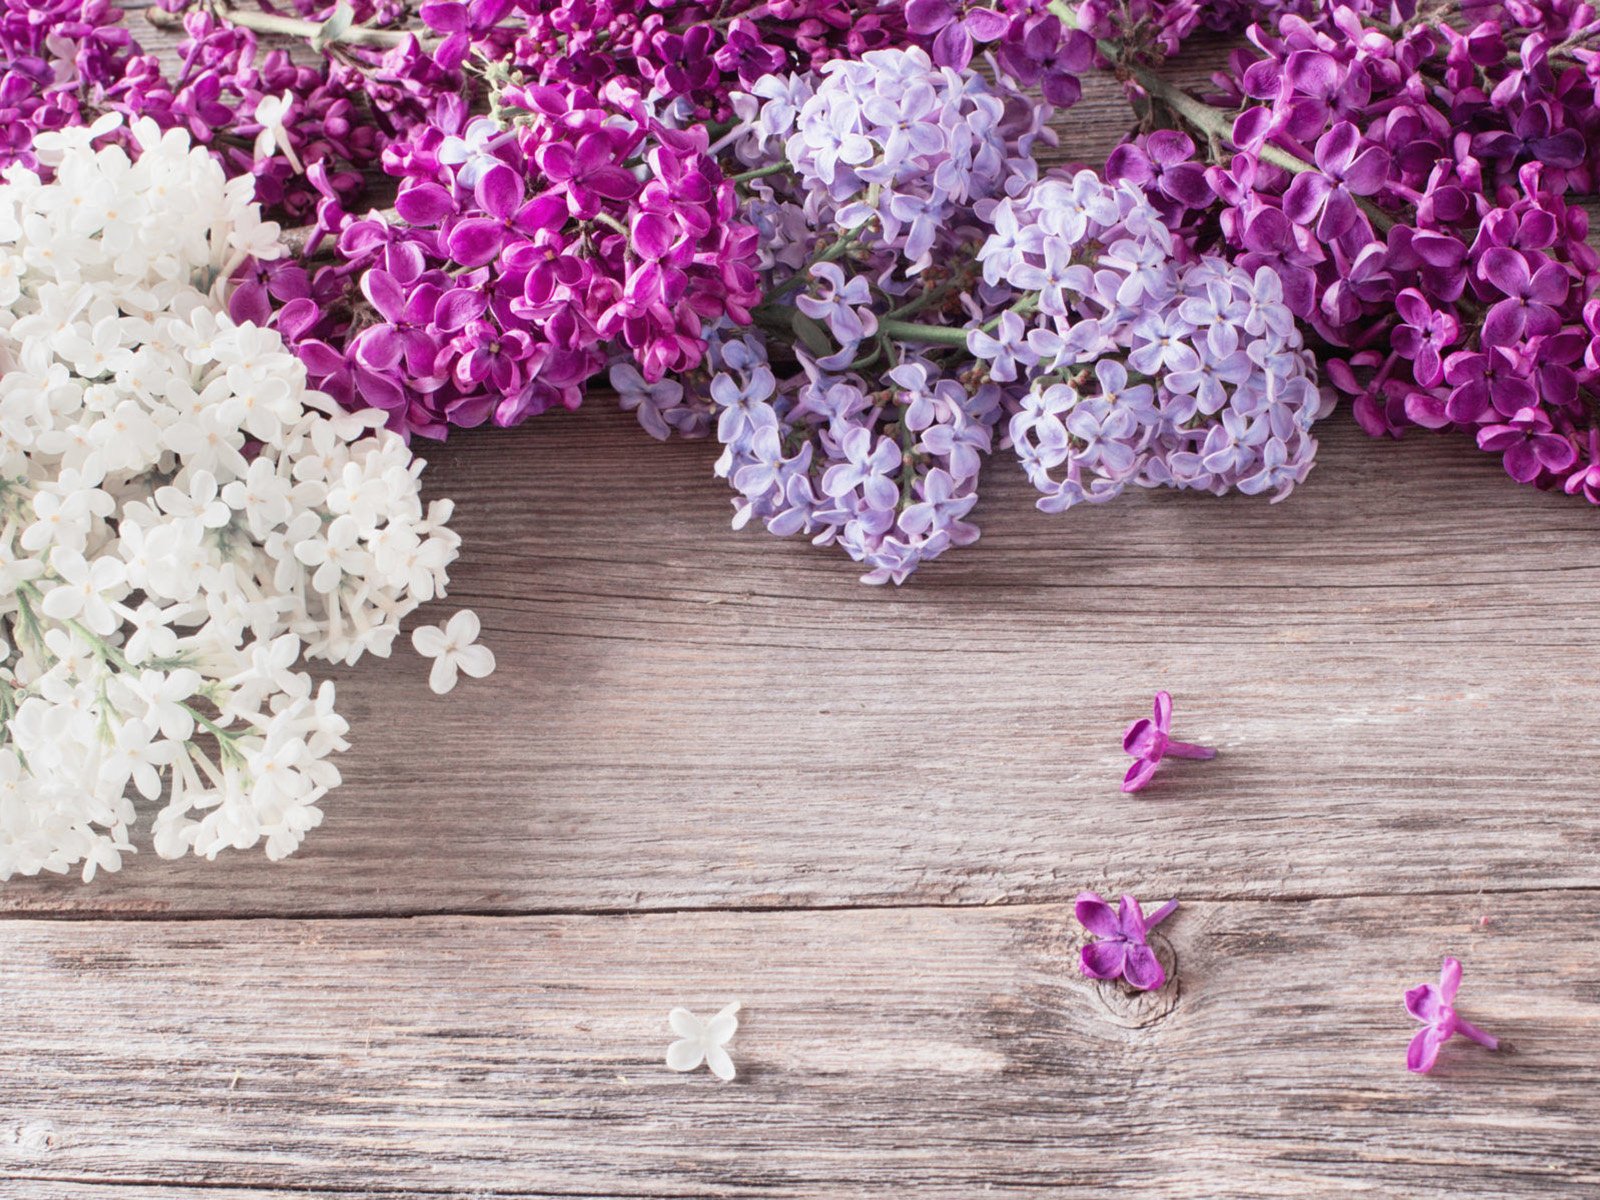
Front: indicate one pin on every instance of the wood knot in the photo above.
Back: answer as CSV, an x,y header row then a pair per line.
x,y
34,1137
1132,1009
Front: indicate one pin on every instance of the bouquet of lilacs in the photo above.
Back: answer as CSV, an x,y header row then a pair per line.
x,y
181,520
818,231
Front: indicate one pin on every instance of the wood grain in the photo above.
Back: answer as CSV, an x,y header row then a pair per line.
x,y
929,1051
712,765
1394,662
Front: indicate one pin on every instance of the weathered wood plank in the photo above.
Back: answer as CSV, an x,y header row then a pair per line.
x,y
1393,661
928,1051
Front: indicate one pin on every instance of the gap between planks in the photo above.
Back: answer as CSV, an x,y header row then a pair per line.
x,y
312,915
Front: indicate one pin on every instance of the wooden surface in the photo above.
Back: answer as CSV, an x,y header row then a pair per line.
x,y
712,766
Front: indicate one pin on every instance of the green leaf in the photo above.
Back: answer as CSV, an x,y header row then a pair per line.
x,y
813,336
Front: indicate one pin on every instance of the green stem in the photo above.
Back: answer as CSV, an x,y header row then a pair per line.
x,y
106,652
837,250
939,335
758,173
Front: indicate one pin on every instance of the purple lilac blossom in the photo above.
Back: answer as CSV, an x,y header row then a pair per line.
x,y
889,475
1434,1005
1149,740
521,264
1432,237
1119,946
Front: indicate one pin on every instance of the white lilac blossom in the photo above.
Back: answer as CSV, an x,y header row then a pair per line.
x,y
703,1041
181,521
1141,368
453,647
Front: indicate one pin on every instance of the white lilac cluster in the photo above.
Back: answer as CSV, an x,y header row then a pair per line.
x,y
181,521
1141,369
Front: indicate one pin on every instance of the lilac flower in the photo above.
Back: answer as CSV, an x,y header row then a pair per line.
x,y
1533,290
1434,1005
1120,947
1528,445
1163,162
1345,169
844,306
744,405
941,509
1148,741
1423,337
954,30
1005,349
962,442
1160,344
867,465
1108,438
650,401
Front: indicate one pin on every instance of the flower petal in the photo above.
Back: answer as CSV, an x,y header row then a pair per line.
x,y
719,1062
722,1026
1095,915
463,627
1130,917
1140,773
685,1055
477,661
1103,960
443,676
1422,1002
428,640
1163,711
1423,1051
1143,969
685,1024
1449,980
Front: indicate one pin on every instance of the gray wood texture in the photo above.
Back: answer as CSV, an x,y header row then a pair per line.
x,y
713,766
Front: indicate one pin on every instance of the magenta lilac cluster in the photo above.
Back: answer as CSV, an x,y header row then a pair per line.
x,y
1414,191
526,251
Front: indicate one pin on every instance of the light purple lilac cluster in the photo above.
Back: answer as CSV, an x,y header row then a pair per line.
x,y
888,471
898,148
1140,368
1428,232
841,418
